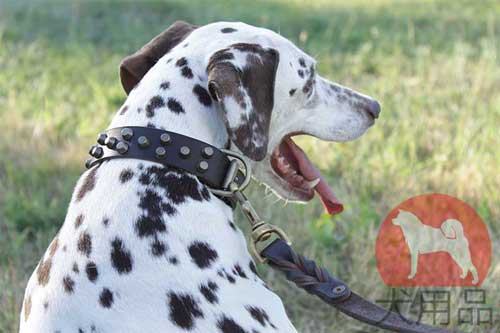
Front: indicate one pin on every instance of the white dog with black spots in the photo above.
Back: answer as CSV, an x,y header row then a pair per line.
x,y
145,248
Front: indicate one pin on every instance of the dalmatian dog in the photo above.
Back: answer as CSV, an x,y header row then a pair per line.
x,y
146,248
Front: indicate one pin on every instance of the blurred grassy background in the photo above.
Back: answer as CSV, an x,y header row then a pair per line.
x,y
434,65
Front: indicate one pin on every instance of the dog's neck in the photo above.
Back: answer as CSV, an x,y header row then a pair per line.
x,y
168,99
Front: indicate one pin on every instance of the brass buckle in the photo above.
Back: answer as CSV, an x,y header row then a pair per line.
x,y
230,187
261,230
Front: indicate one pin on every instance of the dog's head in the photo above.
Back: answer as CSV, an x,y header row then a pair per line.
x,y
404,218
268,90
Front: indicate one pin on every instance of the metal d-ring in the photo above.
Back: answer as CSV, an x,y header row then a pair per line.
x,y
232,187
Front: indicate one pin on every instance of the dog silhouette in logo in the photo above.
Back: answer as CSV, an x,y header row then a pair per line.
x,y
449,237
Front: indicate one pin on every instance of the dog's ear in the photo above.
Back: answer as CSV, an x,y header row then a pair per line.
x,y
135,66
241,78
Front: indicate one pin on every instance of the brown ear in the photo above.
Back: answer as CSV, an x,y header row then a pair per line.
x,y
246,93
135,66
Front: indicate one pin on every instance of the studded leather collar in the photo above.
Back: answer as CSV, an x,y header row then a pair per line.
x,y
211,165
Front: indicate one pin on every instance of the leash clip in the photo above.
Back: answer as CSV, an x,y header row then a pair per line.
x,y
229,186
261,230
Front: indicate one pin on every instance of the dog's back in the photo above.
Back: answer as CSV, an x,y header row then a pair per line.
x,y
145,249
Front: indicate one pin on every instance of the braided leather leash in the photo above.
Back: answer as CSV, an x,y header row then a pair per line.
x,y
308,275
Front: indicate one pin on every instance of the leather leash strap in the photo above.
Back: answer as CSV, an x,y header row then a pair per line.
x,y
306,274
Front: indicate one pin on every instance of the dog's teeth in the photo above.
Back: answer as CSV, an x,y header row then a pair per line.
x,y
313,183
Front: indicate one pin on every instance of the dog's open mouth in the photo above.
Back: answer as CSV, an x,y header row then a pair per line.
x,y
292,165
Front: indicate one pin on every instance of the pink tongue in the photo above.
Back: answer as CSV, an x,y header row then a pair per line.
x,y
309,172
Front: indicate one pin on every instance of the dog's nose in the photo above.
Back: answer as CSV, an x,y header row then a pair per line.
x,y
373,108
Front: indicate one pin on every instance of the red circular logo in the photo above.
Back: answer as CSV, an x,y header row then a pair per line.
x,y
433,240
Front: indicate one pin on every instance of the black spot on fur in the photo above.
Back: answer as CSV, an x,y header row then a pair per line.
x,y
292,91
187,72
209,292
158,248
68,284
230,278
78,221
202,94
178,187
165,85
183,310
151,222
88,184
231,224
84,244
227,325
228,30
252,267
91,270
161,184
173,260
202,254
302,62
126,175
181,62
223,274
259,315
154,103
123,110
334,88
75,268
175,106
237,270
106,298
301,73
120,257
105,221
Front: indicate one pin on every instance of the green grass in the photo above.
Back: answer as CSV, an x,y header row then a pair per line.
x,y
434,65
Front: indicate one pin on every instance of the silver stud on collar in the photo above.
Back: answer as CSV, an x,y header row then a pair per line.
x,y
184,152
96,151
143,142
88,162
101,138
202,166
165,139
207,152
127,133
111,142
160,152
121,147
